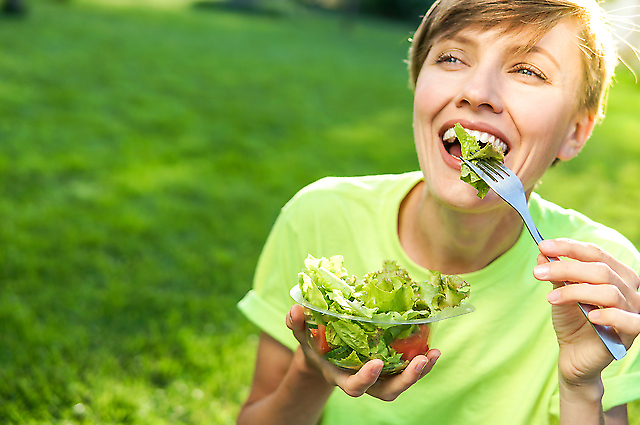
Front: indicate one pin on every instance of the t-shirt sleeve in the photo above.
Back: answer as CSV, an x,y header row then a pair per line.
x,y
282,257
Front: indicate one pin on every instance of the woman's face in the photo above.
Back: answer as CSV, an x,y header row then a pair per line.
x,y
486,81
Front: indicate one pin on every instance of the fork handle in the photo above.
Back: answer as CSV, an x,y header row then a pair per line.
x,y
607,334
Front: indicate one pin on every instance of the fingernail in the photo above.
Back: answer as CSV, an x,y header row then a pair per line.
x,y
547,244
593,315
420,367
375,370
541,271
553,296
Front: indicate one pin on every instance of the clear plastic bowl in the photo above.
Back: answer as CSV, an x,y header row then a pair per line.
x,y
396,342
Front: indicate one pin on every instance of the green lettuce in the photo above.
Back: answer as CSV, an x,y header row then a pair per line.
x,y
387,290
473,151
352,335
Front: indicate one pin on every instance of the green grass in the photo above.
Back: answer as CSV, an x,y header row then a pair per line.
x,y
144,155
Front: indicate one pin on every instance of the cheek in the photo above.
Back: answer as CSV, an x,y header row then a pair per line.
x,y
545,130
543,122
427,104
431,95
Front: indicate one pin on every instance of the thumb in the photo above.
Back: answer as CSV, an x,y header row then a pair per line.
x,y
295,322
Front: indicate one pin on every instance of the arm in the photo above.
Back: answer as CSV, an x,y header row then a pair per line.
x,y
604,282
285,390
581,404
586,407
292,388
616,415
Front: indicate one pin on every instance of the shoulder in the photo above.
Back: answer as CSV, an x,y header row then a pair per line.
x,y
346,192
555,222
360,184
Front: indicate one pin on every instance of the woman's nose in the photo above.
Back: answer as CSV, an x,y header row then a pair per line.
x,y
481,91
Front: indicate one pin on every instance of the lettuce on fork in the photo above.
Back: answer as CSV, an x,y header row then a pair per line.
x,y
472,150
384,297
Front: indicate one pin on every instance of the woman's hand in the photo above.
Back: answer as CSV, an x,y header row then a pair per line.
x,y
367,379
601,281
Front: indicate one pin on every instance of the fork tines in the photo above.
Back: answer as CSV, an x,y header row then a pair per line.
x,y
492,168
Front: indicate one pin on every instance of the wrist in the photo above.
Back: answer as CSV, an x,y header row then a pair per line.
x,y
582,392
305,377
305,368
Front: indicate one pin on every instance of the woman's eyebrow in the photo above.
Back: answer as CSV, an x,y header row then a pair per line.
x,y
463,39
536,49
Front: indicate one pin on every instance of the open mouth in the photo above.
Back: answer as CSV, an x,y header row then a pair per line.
x,y
452,145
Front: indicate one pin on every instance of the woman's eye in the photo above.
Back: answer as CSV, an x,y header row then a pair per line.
x,y
530,71
447,58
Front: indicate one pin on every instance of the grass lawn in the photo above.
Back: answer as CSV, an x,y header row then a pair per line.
x,y
144,155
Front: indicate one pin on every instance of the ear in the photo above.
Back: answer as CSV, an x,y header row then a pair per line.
x,y
577,137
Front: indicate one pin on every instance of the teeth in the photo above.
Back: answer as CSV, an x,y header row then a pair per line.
x,y
500,145
482,137
449,134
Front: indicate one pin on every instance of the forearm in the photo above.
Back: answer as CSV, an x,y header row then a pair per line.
x,y
298,400
581,404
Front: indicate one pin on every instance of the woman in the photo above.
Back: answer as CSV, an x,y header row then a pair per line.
x,y
531,74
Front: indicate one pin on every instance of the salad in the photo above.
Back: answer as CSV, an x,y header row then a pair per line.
x,y
384,315
472,150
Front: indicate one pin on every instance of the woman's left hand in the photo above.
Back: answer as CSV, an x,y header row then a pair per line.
x,y
601,280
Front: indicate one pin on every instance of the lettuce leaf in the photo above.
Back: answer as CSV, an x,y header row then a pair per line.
x,y
352,335
310,291
348,361
388,289
472,151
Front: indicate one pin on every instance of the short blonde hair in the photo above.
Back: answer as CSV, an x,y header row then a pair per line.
x,y
447,17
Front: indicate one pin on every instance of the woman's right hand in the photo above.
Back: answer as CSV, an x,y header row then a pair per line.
x,y
367,379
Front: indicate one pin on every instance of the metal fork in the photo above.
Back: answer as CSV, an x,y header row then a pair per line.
x,y
508,186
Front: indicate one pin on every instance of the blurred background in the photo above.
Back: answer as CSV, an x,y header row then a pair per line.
x,y
146,148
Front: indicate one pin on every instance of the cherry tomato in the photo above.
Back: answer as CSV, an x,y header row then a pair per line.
x,y
418,343
319,338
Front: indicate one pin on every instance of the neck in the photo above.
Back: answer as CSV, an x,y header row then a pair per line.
x,y
453,242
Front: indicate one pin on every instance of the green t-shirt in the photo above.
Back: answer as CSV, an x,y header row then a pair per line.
x,y
498,364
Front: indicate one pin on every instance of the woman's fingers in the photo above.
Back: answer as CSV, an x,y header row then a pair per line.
x,y
368,380
602,295
578,271
612,284
432,356
605,287
295,322
627,324
389,388
357,384
589,253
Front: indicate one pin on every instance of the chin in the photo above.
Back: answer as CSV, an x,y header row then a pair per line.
x,y
460,196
